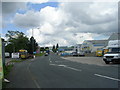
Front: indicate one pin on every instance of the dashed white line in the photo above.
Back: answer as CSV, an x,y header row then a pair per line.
x,y
66,67
107,77
73,68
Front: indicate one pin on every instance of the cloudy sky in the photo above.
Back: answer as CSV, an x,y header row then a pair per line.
x,y
65,23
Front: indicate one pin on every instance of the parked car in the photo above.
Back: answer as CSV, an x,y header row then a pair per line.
x,y
81,53
65,54
74,54
78,53
46,54
7,54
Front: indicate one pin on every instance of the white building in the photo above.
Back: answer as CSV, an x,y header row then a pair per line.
x,y
89,46
77,48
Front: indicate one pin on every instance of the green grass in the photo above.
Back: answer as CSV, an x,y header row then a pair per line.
x,y
39,54
6,71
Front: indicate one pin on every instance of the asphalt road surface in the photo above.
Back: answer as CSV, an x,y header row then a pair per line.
x,y
55,72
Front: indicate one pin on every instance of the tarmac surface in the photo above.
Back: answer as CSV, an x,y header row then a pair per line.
x,y
52,71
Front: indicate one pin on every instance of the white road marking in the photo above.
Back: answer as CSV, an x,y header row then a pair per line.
x,y
61,61
107,77
53,64
73,68
66,67
50,60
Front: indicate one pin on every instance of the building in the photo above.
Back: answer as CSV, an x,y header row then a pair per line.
x,y
65,49
77,48
114,36
89,46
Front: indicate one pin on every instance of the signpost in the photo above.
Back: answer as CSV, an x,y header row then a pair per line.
x,y
1,64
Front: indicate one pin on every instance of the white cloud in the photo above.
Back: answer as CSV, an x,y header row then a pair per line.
x,y
69,23
29,20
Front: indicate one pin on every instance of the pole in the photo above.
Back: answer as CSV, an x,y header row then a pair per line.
x,y
33,41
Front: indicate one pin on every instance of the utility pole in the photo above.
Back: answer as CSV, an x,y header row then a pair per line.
x,y
33,41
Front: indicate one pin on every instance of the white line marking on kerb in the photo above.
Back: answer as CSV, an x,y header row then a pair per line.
x,y
107,77
66,67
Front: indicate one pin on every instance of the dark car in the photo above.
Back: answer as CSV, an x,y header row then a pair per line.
x,y
74,54
46,54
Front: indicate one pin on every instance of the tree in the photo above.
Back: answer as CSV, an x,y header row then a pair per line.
x,y
53,49
57,46
17,40
42,49
46,48
32,45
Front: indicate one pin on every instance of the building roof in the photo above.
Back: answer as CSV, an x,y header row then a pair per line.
x,y
96,42
114,36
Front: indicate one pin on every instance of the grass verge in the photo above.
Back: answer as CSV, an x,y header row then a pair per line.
x,y
6,71
17,60
39,54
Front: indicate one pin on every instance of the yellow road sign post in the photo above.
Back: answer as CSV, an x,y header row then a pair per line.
x,y
1,64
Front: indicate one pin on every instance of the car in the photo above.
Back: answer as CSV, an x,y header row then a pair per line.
x,y
78,54
46,54
74,54
81,53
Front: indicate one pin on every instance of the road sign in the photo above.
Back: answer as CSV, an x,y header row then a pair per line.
x,y
1,64
34,52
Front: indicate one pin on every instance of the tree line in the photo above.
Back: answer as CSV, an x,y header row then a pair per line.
x,y
54,48
18,40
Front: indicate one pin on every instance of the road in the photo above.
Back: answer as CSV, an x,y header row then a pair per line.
x,y
55,72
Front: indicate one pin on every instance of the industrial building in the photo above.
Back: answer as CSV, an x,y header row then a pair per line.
x,y
89,46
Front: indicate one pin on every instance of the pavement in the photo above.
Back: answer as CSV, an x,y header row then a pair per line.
x,y
90,60
55,72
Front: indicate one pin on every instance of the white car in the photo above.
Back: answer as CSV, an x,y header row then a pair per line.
x,y
111,57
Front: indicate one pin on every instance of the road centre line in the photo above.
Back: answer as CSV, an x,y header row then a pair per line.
x,y
107,77
66,67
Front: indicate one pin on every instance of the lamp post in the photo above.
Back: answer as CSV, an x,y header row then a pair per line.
x,y
32,41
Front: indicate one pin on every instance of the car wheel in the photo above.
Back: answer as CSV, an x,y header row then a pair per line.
x,y
107,62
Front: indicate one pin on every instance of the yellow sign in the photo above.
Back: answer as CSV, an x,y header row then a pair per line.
x,y
1,64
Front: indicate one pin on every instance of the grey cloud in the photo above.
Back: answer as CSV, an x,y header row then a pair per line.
x,y
84,20
78,19
28,20
11,7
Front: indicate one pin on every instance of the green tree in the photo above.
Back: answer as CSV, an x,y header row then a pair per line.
x,y
42,49
32,45
53,49
16,41
57,46
46,48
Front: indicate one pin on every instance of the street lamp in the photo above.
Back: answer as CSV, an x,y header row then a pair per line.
x,y
32,41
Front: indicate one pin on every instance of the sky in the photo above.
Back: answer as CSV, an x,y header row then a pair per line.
x,y
65,23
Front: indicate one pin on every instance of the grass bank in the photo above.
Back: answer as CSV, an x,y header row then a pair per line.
x,y
39,54
6,71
